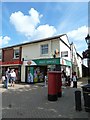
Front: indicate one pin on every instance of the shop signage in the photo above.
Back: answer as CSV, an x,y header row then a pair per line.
x,y
65,62
51,61
31,62
68,63
12,62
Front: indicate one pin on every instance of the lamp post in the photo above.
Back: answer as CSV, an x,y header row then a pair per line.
x,y
88,59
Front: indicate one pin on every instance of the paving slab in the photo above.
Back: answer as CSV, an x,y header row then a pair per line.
x,y
31,101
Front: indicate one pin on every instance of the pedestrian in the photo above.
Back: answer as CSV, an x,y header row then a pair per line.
x,y
7,77
12,77
74,78
64,76
45,80
69,81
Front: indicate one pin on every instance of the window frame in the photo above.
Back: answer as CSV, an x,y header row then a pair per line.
x,y
44,49
18,51
63,54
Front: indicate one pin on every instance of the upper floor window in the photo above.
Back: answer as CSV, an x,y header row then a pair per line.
x,y
16,53
44,49
64,54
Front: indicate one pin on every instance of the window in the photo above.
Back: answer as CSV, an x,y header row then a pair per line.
x,y
44,49
16,53
64,54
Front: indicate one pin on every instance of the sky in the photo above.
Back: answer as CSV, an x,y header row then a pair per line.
x,y
28,21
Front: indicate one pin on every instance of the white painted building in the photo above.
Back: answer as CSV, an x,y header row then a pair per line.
x,y
38,57
76,61
65,53
79,64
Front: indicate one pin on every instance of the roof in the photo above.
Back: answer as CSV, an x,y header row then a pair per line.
x,y
36,41
79,55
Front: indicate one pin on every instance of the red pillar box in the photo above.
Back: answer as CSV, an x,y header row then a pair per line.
x,y
52,86
59,83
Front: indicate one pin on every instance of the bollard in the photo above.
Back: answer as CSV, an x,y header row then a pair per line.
x,y
78,100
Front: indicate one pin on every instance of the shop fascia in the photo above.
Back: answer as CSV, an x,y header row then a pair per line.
x,y
49,61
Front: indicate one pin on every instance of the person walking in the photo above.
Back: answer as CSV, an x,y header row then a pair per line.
x,y
64,76
7,76
13,77
74,78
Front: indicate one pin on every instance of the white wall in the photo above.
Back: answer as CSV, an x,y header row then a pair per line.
x,y
65,39
32,51
55,45
79,62
23,73
76,59
63,47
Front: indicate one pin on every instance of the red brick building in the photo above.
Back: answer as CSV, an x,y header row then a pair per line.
x,y
11,58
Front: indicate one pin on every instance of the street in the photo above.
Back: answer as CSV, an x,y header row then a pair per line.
x,y
31,101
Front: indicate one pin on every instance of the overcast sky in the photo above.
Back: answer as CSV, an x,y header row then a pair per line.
x,y
28,21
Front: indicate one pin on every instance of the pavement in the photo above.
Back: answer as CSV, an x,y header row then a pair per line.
x,y
31,101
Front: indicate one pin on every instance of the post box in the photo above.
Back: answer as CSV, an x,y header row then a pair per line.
x,y
59,83
54,85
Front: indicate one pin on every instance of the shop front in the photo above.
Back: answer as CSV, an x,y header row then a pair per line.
x,y
12,65
36,70
35,74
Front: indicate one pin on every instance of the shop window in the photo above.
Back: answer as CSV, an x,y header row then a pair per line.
x,y
44,49
16,53
64,54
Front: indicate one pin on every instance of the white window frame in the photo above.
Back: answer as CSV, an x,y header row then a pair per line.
x,y
64,54
44,49
16,56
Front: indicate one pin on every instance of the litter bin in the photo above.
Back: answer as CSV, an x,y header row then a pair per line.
x,y
52,86
86,95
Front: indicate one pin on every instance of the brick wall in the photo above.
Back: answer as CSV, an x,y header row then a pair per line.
x,y
8,55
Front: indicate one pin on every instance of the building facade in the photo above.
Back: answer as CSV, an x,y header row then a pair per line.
x,y
79,65
76,61
39,57
33,60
